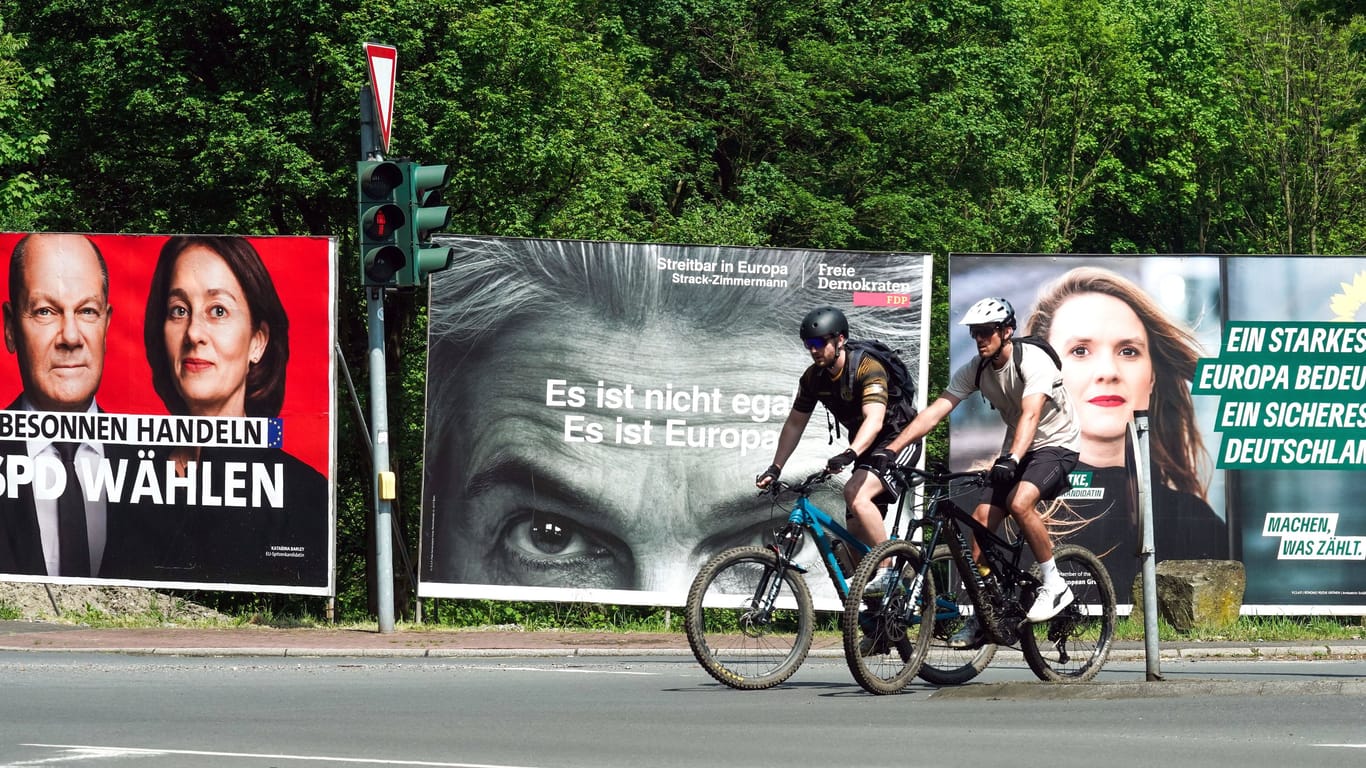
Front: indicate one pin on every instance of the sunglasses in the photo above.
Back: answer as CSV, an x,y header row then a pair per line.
x,y
818,342
981,331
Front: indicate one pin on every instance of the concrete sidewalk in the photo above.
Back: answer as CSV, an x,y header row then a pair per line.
x,y
267,641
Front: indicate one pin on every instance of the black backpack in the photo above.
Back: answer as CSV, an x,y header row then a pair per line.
x,y
1035,341
900,385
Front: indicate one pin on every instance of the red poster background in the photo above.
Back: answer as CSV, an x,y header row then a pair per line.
x,y
300,268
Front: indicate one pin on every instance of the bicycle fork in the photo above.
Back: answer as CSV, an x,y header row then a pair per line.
x,y
766,595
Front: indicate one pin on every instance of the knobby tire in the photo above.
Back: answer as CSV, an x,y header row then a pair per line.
x,y
884,644
1085,629
944,665
739,644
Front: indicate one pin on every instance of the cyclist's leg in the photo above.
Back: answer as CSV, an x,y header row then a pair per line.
x,y
869,488
1024,503
1044,474
990,515
863,514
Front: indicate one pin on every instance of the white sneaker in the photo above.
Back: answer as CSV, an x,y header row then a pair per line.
x,y
881,584
1051,599
968,636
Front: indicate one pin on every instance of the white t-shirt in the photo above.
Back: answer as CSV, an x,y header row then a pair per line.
x,y
1028,371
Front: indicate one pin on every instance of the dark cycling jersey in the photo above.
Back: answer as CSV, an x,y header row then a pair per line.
x,y
870,386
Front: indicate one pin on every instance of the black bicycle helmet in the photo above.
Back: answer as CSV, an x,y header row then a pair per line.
x,y
824,321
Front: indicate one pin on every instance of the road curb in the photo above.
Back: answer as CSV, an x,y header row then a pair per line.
x,y
1187,653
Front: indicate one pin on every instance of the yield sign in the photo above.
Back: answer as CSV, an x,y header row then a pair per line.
x,y
383,63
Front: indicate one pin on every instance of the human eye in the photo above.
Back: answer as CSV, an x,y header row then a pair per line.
x,y
218,312
1078,350
1129,350
177,311
757,533
540,548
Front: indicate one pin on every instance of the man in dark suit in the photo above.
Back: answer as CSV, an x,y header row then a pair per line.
x,y
56,320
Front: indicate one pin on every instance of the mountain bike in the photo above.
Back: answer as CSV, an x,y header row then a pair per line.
x,y
1070,647
749,617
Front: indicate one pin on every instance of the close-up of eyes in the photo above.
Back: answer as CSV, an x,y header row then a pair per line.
x,y
536,547
1084,350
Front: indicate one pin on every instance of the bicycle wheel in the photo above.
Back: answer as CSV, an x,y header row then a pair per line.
x,y
944,665
884,638
749,622
1073,646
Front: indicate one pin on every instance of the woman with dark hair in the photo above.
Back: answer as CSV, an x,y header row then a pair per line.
x,y
1121,353
217,342
236,291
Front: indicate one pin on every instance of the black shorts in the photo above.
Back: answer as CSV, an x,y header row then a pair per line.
x,y
1047,468
891,487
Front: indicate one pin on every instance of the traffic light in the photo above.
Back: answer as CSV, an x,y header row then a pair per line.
x,y
380,192
425,215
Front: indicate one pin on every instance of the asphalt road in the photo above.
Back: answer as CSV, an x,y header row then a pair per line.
x,y
93,709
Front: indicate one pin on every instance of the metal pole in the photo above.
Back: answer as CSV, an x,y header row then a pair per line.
x,y
379,407
379,422
1138,432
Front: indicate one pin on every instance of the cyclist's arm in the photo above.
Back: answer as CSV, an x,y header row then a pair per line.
x,y
1031,408
924,421
873,414
790,435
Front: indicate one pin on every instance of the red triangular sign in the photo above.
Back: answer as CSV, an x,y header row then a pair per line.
x,y
383,64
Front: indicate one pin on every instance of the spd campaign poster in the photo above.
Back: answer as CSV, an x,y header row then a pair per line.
x,y
1255,401
167,411
597,412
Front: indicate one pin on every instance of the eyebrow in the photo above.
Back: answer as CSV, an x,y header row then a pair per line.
x,y
510,468
543,481
42,297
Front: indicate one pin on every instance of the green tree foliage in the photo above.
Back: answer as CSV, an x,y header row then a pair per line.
x,y
1300,166
1102,126
24,193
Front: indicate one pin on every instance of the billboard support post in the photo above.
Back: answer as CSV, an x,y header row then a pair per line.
x,y
1138,434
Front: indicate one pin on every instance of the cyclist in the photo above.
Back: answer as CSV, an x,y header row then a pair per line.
x,y
862,413
1040,448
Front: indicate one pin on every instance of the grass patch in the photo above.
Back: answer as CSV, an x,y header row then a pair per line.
x,y
1264,629
448,614
9,612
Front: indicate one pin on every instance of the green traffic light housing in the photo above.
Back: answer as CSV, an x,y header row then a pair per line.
x,y
426,215
381,192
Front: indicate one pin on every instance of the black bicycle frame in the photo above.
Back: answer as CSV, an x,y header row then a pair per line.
x,y
1001,555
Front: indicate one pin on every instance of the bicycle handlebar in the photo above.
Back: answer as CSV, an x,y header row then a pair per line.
x,y
781,486
909,476
941,476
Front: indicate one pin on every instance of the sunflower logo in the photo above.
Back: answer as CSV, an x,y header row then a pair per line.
x,y
1347,304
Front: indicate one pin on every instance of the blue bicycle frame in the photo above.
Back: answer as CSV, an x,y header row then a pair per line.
x,y
814,519
806,516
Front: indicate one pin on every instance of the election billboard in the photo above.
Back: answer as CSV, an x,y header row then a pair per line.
x,y
167,414
597,413
1250,370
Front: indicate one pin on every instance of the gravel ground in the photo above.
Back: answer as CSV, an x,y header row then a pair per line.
x,y
34,602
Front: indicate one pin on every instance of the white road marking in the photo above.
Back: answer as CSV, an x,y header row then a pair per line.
x,y
1346,746
576,671
87,752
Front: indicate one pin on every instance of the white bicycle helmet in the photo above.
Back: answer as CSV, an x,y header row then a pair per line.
x,y
994,310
